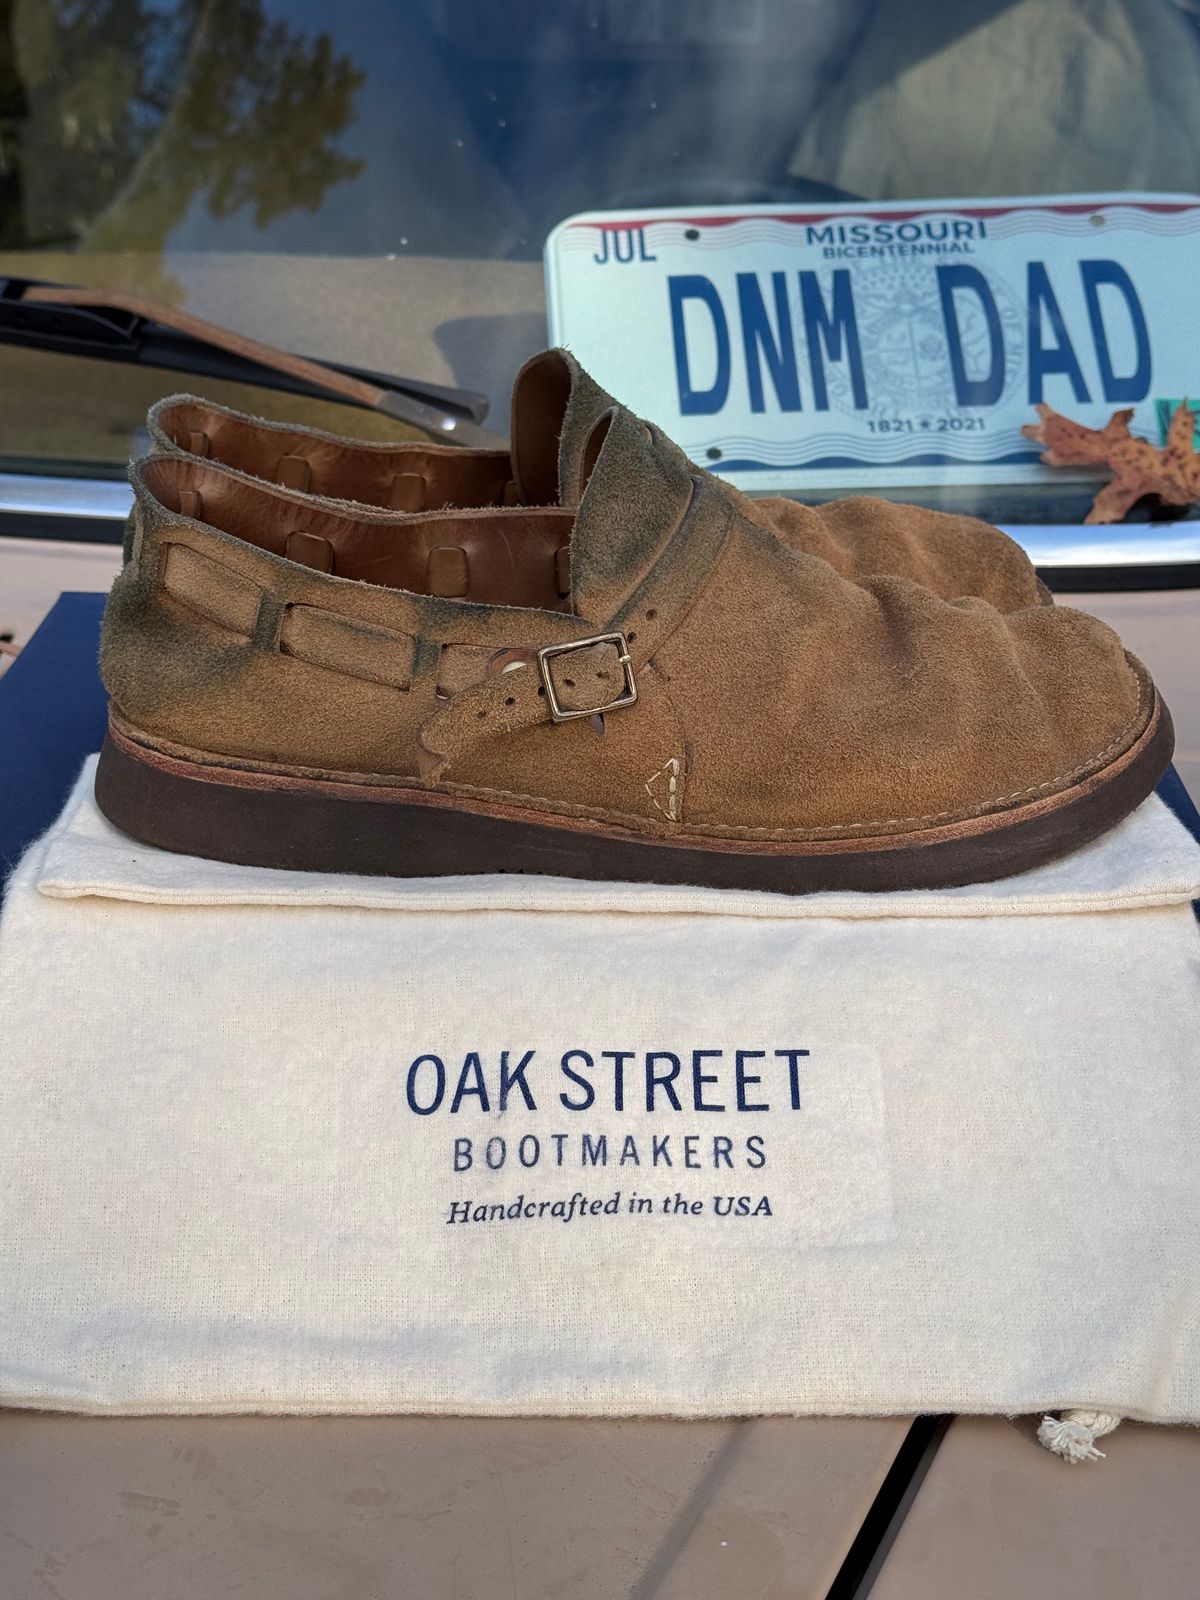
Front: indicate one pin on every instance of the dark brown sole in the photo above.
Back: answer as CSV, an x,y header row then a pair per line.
x,y
268,820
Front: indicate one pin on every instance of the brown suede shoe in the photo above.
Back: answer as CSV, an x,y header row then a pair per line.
x,y
703,707
555,408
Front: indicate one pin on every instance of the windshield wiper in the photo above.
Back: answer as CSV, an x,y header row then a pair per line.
x,y
113,325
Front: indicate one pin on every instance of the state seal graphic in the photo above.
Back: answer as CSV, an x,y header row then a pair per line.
x,y
901,320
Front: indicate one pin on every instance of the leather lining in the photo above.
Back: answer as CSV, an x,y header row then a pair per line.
x,y
493,556
562,571
554,405
402,477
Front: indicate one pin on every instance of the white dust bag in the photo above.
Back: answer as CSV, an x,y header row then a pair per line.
x,y
287,1143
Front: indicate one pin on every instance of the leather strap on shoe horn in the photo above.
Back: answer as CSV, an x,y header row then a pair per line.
x,y
595,673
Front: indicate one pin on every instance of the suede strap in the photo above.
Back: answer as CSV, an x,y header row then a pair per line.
x,y
513,696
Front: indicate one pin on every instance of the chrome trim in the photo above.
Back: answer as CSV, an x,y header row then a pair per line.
x,y
103,499
1128,544
1131,544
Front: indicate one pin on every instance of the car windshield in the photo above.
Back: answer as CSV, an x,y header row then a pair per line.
x,y
375,184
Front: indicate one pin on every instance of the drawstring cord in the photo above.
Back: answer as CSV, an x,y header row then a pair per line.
x,y
1073,1435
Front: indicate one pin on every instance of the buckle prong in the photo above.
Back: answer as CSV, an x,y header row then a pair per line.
x,y
627,696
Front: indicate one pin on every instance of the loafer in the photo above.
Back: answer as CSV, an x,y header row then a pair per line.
x,y
703,706
555,408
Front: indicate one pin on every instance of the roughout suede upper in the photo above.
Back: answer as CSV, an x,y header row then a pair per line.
x,y
556,406
776,698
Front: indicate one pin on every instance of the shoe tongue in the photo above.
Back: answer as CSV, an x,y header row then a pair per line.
x,y
635,488
555,409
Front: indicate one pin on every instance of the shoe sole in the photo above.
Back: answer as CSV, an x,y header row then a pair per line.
x,y
265,819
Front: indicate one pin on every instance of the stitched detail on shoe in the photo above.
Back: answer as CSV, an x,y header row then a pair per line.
x,y
663,788
835,830
1020,794
667,787
627,820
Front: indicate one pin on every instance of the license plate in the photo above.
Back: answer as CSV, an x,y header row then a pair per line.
x,y
888,343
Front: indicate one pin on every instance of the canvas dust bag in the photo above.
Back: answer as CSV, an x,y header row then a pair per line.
x,y
290,1143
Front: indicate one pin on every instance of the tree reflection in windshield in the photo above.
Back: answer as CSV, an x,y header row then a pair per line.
x,y
468,128
117,116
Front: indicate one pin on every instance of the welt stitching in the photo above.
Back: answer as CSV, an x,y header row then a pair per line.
x,y
633,822
1021,794
714,830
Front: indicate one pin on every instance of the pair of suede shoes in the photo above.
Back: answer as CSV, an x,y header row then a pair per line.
x,y
585,657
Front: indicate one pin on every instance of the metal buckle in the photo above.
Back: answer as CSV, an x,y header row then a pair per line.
x,y
627,696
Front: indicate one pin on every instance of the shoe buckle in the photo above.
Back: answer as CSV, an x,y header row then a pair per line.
x,y
627,695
